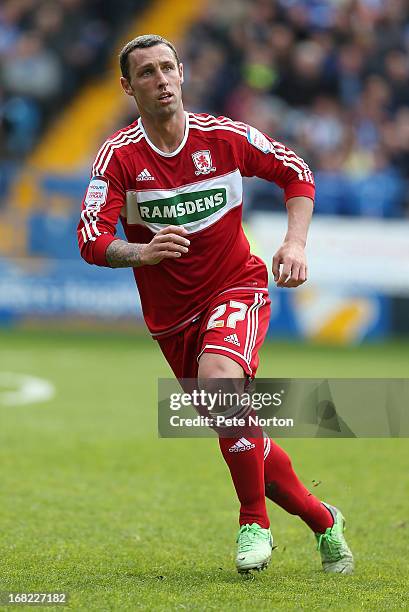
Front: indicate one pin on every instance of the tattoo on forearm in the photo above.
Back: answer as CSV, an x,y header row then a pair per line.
x,y
121,254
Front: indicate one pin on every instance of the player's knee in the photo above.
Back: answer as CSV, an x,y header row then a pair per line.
x,y
212,371
213,366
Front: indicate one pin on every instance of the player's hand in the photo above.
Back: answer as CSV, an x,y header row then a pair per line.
x,y
168,243
290,265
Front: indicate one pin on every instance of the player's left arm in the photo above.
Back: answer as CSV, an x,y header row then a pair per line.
x,y
259,155
290,257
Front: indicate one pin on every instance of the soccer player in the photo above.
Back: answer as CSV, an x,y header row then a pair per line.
x,y
174,179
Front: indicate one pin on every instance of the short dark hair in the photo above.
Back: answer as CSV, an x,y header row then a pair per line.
x,y
142,42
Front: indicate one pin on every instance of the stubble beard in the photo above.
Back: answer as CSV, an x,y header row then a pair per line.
x,y
168,111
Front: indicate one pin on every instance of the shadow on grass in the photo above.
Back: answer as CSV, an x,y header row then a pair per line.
x,y
181,576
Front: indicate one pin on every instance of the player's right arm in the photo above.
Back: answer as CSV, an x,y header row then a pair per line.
x,y
102,204
168,243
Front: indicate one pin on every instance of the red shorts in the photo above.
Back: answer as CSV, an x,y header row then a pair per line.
x,y
235,324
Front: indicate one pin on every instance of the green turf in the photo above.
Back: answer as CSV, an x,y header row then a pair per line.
x,y
93,503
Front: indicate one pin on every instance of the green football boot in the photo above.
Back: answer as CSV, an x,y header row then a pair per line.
x,y
336,556
254,548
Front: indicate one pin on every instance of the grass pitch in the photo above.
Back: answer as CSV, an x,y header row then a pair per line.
x,y
93,503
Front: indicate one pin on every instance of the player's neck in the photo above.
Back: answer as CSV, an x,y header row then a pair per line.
x,y
166,134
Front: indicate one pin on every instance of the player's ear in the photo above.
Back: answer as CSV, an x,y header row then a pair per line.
x,y
181,73
126,86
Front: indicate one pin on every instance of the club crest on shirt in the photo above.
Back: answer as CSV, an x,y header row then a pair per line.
x,y
203,162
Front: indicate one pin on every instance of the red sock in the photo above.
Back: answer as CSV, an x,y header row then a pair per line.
x,y
244,456
285,489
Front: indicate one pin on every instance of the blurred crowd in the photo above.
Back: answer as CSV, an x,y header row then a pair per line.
x,y
48,49
330,78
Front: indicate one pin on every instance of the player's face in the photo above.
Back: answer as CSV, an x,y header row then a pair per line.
x,y
155,80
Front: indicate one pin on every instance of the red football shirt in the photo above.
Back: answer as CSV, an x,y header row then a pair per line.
x,y
198,186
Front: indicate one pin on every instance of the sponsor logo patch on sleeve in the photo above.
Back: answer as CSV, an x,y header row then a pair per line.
x,y
96,193
258,140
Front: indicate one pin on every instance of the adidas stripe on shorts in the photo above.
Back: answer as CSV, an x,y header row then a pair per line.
x,y
234,325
